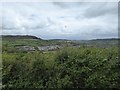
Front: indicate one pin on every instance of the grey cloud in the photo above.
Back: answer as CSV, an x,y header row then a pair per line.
x,y
100,9
69,4
49,20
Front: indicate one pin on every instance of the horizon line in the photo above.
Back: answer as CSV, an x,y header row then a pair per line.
x,y
64,38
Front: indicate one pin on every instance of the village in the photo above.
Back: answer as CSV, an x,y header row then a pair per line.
x,y
40,48
43,48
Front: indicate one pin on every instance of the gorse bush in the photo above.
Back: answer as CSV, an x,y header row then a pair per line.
x,y
82,67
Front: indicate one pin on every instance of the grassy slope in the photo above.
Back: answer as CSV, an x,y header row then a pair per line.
x,y
29,41
34,41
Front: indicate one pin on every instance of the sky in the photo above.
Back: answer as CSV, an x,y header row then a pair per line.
x,y
60,20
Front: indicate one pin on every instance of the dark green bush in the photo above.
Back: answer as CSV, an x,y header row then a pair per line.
x,y
85,67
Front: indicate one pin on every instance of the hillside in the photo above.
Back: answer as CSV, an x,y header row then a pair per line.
x,y
19,37
32,43
99,42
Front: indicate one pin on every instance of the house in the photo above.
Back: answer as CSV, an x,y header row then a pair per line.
x,y
26,48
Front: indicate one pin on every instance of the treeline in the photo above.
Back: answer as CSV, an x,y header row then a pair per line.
x,y
67,68
19,37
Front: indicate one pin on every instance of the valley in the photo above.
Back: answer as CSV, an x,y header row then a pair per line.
x,y
31,62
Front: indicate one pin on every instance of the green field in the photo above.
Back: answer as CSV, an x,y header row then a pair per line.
x,y
95,64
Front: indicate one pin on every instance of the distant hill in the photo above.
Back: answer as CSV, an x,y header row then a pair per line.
x,y
106,39
34,37
19,37
100,42
28,40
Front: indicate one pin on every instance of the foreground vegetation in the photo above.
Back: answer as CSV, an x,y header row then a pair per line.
x,y
68,67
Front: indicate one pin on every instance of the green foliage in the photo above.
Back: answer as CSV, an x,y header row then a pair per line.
x,y
84,67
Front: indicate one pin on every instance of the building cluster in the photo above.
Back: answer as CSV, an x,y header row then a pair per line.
x,y
40,48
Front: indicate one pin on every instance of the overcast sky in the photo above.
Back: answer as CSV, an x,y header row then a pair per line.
x,y
61,20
